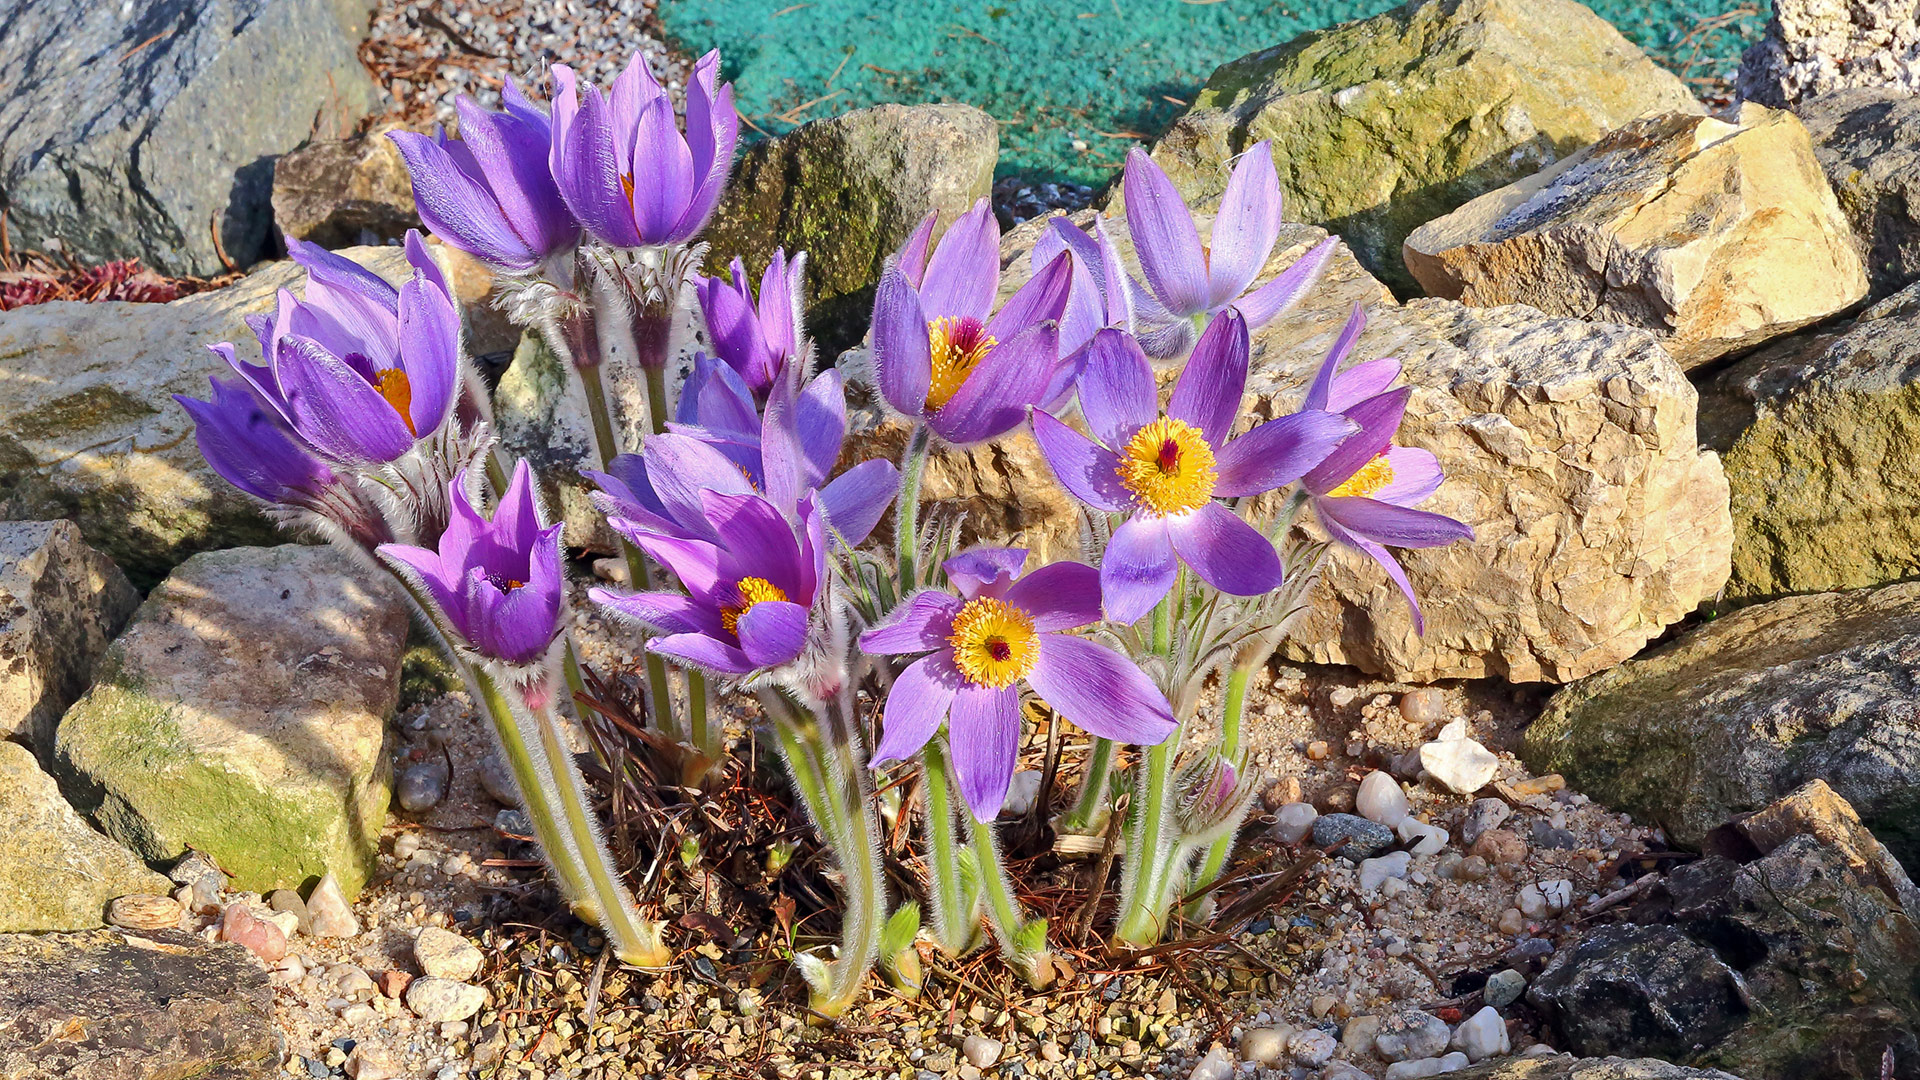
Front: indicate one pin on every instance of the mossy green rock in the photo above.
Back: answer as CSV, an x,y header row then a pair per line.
x,y
63,872
243,713
1382,125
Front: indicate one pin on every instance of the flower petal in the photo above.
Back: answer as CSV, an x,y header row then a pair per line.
x,y
915,706
1138,568
984,571
1378,418
758,541
713,129
1396,526
1278,452
1366,379
662,191
1059,596
1041,299
1226,552
334,408
1117,392
429,353
983,736
1208,392
1164,238
702,652
1100,691
587,165
511,149
856,500
964,272
913,254
773,632
1090,472
1269,301
923,621
665,612
457,208
1387,562
1246,227
820,414
1319,392
1416,475
901,350
681,470
994,398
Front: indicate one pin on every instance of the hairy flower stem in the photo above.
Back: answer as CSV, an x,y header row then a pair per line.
x,y
1010,927
954,918
1090,806
707,738
1231,714
906,522
1153,864
531,770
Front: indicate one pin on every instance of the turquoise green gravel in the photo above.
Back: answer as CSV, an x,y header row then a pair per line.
x,y
1073,82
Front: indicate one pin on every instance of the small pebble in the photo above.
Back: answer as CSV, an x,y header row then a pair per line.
x,y
1216,1065
198,872
440,1000
1293,822
1540,785
1280,793
1375,872
1021,793
328,912
1410,1036
1503,988
1545,899
421,786
1317,750
289,901
1420,837
405,845
1499,846
1482,1035
1457,762
1340,1070
1427,705
393,982
1484,815
1264,1046
980,1051
1433,1066
262,939
497,780
1381,799
1312,1047
1363,838
1512,922
144,912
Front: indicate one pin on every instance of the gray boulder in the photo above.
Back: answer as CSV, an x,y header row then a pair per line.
x,y
1868,143
61,602
150,129
1568,1067
1814,47
339,192
1639,990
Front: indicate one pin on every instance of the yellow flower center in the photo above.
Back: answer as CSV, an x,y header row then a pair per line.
x,y
1370,478
748,592
1168,467
994,643
958,345
393,386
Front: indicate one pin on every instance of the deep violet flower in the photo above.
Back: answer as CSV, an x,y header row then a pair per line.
x,y
621,163
1168,470
1365,491
252,448
497,581
759,340
944,355
1000,630
489,193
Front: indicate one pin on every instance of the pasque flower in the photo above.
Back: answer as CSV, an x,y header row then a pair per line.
x,y
1168,470
750,589
497,581
1365,491
622,165
1105,294
252,448
490,193
944,355
1003,629
1189,280
759,340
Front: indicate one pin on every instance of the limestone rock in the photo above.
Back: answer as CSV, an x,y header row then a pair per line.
x,y
107,1005
443,954
1749,707
1716,235
1382,124
149,130
62,872
1813,47
89,430
243,713
441,1001
337,192
1567,1067
848,190
60,603
1868,141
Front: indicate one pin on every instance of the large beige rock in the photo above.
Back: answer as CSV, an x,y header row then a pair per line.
x,y
89,430
1815,47
61,602
336,192
1383,124
1868,141
243,714
1715,235
63,871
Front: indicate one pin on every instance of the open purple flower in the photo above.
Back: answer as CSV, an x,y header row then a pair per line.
x,y
750,590
1190,280
252,448
490,193
622,164
1104,294
944,355
1365,491
760,341
497,581
1168,470
1001,630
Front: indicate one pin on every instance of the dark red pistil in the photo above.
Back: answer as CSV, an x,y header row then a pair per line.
x,y
999,649
1169,455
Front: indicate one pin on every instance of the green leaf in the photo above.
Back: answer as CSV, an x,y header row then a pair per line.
x,y
902,928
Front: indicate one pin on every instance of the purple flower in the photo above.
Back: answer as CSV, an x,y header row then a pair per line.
x,y
750,590
943,354
252,448
1167,470
490,193
498,582
1104,294
760,341
360,370
623,166
1365,491
1189,280
1000,630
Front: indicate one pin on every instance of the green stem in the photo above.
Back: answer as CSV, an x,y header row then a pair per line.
x,y
1091,803
906,522
1150,851
528,776
657,395
1163,625
598,411
953,910
705,738
1230,723
1010,927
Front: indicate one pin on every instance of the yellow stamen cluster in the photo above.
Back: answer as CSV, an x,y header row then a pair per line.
x,y
1168,467
994,643
748,592
393,386
957,345
1370,478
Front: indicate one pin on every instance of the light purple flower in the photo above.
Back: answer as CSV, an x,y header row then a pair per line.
x,y
750,590
490,193
1190,281
760,340
623,166
1001,630
252,448
944,355
1168,470
1365,491
1103,295
497,581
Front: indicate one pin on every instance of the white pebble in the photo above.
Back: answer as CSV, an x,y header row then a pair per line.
x,y
1311,1047
1380,798
1546,898
1263,1046
1217,1065
1021,793
1434,1066
980,1051
1458,763
1293,822
1421,838
1482,1035
1376,872
1411,1036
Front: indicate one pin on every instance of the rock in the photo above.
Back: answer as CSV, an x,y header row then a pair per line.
x,y
123,144
1483,815
1264,1046
288,901
89,430
1433,1066
497,780
1818,500
1410,1036
1813,809
848,190
440,1001
202,877
1311,1047
367,1063
1420,837
1714,234
1814,47
1363,838
1482,1035
328,911
1340,1070
444,954
1022,792
1544,899
1868,141
1457,762
1427,705
1216,1065
1375,872
60,603
1503,988
1293,822
421,786
1638,990
1475,94
1499,846
393,983
1776,695
1547,1065
243,713
341,192
980,1051
144,911
1357,1037
108,1005
61,873
261,938
1380,799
